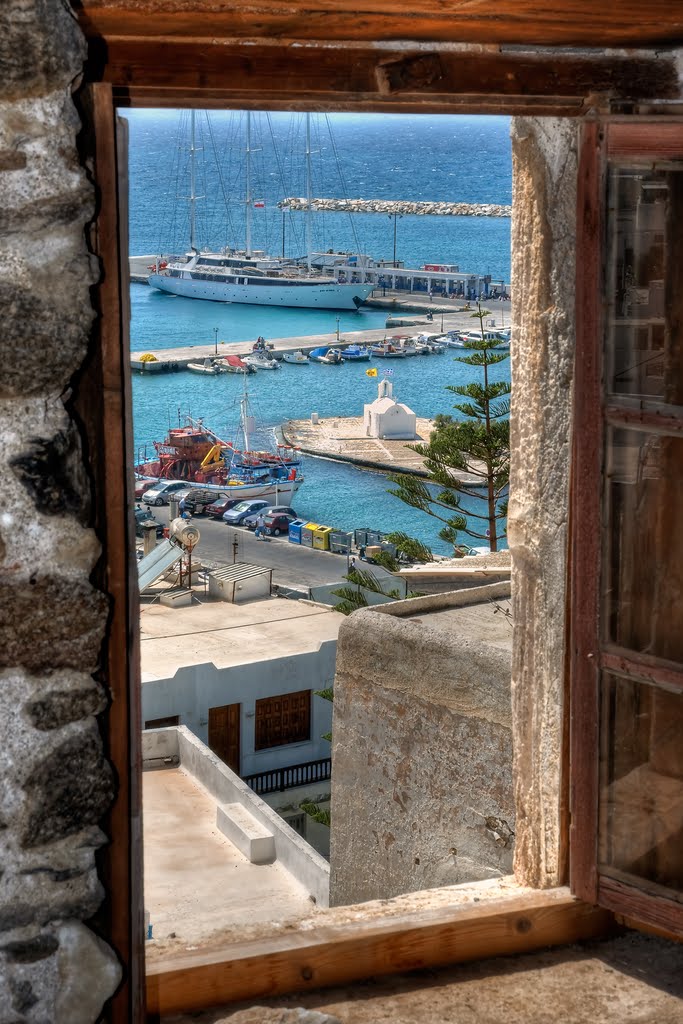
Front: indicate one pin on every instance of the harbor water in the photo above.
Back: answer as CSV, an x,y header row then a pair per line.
x,y
399,157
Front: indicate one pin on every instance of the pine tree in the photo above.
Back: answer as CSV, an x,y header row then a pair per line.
x,y
478,445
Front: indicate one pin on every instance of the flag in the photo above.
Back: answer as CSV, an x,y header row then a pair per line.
x,y
371,373
387,373
259,203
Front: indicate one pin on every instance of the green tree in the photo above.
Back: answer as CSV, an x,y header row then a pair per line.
x,y
477,445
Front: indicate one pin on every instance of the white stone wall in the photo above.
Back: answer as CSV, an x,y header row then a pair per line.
x,y
542,355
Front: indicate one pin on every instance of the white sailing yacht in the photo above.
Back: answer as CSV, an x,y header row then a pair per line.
x,y
252,277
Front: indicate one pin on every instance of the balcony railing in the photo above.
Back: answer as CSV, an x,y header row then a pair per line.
x,y
279,779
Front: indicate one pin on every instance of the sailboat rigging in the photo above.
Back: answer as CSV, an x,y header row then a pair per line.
x,y
252,277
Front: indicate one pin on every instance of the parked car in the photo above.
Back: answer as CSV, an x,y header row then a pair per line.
x,y
234,516
163,490
143,517
197,501
143,485
278,523
270,510
219,506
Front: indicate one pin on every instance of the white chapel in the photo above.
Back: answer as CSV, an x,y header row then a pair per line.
x,y
388,419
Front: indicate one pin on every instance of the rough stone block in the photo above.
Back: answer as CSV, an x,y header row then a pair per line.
x,y
70,788
33,60
44,338
59,707
51,472
50,623
88,974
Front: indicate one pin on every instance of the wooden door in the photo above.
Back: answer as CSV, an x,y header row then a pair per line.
x,y
224,734
626,839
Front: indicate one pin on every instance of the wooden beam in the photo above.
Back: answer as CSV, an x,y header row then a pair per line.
x,y
534,22
234,72
338,954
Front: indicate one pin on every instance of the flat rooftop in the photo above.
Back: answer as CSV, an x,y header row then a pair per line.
x,y
227,634
197,884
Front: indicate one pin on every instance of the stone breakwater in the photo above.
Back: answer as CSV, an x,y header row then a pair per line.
x,y
399,207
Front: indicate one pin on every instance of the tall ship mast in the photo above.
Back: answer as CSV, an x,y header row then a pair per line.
x,y
250,277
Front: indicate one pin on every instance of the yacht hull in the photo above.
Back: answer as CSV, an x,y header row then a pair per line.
x,y
307,295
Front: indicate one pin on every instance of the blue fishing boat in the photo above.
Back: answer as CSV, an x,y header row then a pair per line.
x,y
356,353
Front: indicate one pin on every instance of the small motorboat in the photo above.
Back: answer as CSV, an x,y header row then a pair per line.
x,y
318,355
299,358
261,361
234,364
356,353
334,357
208,366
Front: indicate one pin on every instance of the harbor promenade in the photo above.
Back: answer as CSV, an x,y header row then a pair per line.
x,y
445,318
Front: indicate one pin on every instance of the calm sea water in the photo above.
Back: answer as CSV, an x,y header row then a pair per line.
x,y
380,156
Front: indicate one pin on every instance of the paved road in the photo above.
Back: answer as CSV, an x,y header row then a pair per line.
x,y
293,566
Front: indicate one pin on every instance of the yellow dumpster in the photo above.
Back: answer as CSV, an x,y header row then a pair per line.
x,y
321,538
307,532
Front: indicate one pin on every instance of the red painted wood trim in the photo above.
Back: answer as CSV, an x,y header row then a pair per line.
x,y
585,519
643,667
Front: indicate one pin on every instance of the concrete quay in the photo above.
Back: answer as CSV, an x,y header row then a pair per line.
x,y
343,440
178,358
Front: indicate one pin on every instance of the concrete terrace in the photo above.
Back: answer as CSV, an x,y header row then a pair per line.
x,y
197,884
226,634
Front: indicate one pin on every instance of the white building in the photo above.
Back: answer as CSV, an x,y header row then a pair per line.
x,y
388,419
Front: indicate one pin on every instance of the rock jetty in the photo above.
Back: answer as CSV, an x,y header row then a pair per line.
x,y
398,207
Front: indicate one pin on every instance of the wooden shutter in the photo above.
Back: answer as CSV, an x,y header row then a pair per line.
x,y
626,839
285,719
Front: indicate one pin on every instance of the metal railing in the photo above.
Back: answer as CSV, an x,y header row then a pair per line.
x,y
279,779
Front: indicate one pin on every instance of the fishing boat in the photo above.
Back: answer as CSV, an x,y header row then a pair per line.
x,y
208,366
261,361
234,364
298,358
193,453
250,276
386,350
356,353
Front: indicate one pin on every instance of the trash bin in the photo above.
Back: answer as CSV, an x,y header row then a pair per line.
x,y
295,531
321,538
340,542
307,532
360,538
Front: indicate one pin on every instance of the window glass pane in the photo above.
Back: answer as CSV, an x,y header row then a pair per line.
x,y
642,577
641,784
645,284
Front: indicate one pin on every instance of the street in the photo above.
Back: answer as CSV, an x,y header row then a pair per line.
x,y
293,565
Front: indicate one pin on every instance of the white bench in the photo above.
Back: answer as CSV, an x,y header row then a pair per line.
x,y
246,833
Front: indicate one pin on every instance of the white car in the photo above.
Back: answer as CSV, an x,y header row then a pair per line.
x,y
163,491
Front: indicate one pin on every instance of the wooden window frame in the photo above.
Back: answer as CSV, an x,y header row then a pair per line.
x,y
275,58
631,143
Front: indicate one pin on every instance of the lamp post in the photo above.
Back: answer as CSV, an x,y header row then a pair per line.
x,y
215,340
395,216
337,329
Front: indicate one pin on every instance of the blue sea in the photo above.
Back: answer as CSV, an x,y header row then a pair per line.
x,y
440,158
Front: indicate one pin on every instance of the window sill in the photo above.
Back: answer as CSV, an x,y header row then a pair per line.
x,y
427,929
